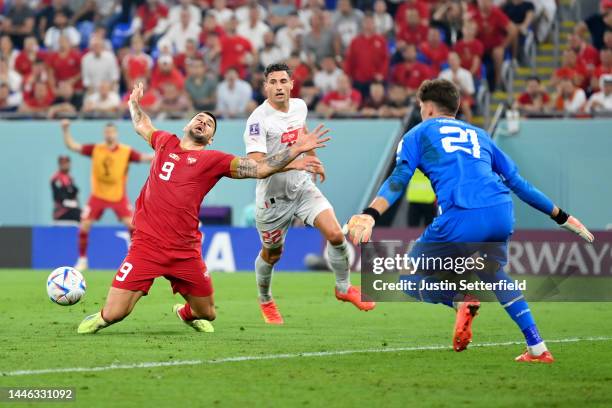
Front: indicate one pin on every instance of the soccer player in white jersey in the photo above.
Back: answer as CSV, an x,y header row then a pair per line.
x,y
275,125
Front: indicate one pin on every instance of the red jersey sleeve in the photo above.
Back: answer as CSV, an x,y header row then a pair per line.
x,y
159,138
220,163
136,156
87,150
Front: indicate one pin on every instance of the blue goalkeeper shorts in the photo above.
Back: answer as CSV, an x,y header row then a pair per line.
x,y
460,225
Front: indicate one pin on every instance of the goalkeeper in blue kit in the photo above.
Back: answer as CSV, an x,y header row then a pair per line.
x,y
473,180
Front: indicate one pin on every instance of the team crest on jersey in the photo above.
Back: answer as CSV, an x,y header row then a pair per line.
x,y
254,129
174,156
191,160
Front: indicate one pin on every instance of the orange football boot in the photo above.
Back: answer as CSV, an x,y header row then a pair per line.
x,y
546,358
270,313
463,323
353,295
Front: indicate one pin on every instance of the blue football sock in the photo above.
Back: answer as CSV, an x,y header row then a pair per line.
x,y
517,308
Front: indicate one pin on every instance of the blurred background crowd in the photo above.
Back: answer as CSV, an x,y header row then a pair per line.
x,y
361,58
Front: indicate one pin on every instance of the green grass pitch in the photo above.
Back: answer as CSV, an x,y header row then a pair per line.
x,y
37,334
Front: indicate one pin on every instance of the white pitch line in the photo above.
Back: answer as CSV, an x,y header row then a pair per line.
x,y
155,364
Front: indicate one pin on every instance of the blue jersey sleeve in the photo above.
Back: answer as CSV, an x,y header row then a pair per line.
x,y
407,160
507,169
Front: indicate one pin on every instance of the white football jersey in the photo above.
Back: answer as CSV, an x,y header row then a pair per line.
x,y
271,131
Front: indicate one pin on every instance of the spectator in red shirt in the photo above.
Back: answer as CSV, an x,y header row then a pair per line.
x,y
29,54
344,101
136,63
300,74
236,51
151,20
605,56
209,25
470,49
496,32
410,30
419,6
377,104
164,72
39,73
191,52
38,100
65,64
411,73
535,99
588,56
434,50
571,68
367,57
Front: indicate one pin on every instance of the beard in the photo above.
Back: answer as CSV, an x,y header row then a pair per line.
x,y
199,138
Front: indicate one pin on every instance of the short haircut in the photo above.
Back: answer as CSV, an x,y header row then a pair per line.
x,y
534,78
277,68
111,124
443,93
214,118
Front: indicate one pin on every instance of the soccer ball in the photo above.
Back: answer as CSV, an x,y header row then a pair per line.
x,y
66,286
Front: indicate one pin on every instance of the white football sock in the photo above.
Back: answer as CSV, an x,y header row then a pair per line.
x,y
537,349
339,263
263,275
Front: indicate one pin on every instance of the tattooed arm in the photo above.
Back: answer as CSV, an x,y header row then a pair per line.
x,y
140,120
264,166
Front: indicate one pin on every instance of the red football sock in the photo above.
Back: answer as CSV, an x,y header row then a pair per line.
x,y
185,313
83,241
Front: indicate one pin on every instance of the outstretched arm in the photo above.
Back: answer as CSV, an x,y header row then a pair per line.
x,y
140,120
507,169
248,167
68,139
360,226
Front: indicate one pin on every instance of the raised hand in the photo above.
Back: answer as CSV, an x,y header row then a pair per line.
x,y
312,140
137,93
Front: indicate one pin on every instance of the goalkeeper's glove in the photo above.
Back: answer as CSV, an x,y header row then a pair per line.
x,y
360,226
574,225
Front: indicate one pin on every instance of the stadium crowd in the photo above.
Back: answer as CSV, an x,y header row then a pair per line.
x,y
67,58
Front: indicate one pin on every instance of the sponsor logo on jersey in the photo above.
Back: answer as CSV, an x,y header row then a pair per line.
x,y
174,156
191,160
290,136
254,129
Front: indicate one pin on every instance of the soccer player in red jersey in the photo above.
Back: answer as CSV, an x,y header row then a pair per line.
x,y
166,241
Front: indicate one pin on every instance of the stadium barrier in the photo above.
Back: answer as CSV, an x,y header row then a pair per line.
x,y
231,249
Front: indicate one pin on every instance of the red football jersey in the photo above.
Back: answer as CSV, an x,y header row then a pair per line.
x,y
168,206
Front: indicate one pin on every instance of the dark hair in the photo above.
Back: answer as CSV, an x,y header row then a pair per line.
x,y
214,118
534,78
277,68
111,124
443,93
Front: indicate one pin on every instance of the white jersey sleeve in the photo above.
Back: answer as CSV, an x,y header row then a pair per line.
x,y
255,133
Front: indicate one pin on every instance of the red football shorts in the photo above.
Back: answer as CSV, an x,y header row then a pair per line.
x,y
144,262
95,208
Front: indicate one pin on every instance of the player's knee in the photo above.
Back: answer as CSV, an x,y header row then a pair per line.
x,y
272,256
335,237
114,315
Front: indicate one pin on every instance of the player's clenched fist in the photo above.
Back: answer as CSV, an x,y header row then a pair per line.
x,y
360,228
65,124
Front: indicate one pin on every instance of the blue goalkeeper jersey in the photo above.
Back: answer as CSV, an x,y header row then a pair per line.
x,y
465,167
